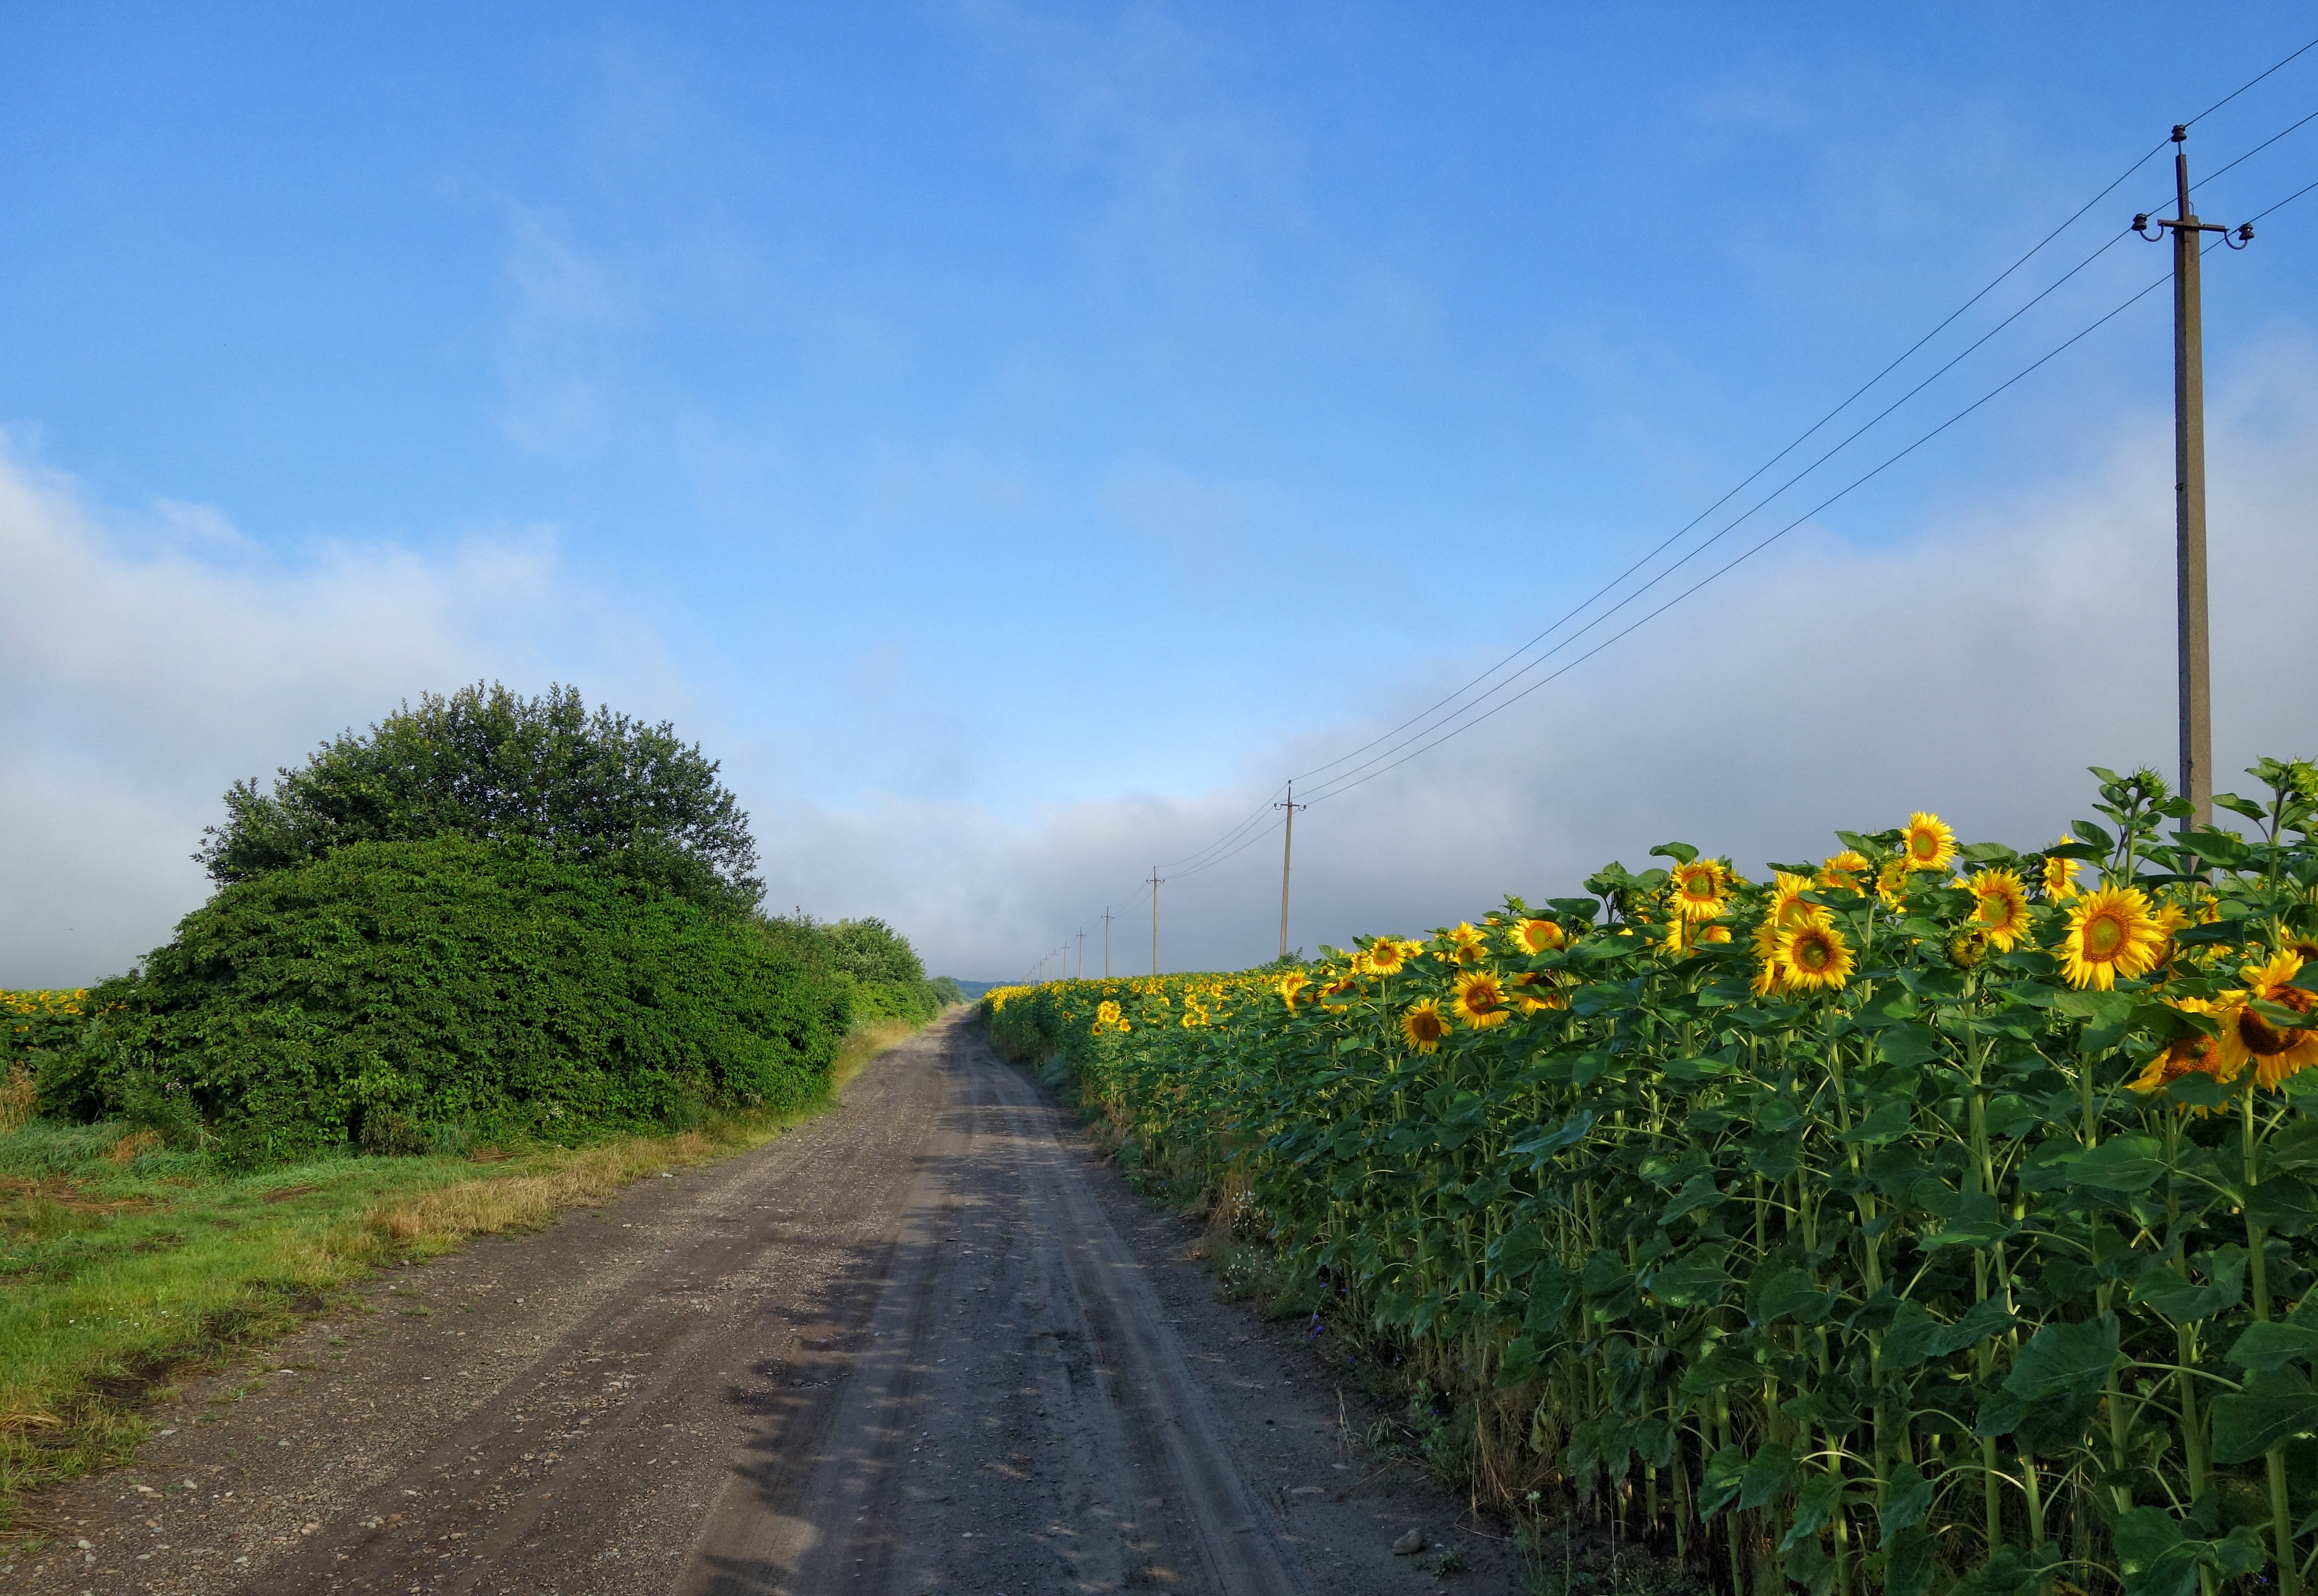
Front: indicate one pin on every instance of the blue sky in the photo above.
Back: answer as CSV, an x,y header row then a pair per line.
x,y
1007,435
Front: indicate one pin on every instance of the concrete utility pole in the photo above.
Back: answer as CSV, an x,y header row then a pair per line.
x,y
2194,659
1107,918
1154,919
1081,953
1286,857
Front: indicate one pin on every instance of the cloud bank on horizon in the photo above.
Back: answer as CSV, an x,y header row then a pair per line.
x,y
153,658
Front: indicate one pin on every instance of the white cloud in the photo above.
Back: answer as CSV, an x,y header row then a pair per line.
x,y
1976,673
150,659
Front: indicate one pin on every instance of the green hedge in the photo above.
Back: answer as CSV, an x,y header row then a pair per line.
x,y
393,987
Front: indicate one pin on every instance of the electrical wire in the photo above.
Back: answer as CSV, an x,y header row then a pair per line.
x,y
2247,83
1208,857
1800,439
1341,781
2048,355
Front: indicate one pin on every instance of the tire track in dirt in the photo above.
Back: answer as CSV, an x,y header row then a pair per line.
x,y
904,1347
1044,1434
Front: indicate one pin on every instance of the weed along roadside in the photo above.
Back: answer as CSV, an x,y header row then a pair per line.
x,y
492,959
1928,1217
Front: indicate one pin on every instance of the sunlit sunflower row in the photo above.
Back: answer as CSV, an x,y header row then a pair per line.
x,y
1925,1218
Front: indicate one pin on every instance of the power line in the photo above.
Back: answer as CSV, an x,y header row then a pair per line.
x,y
1801,438
2247,83
1208,857
1344,780
1750,553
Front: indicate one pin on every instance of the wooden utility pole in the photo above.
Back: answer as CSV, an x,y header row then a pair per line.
x,y
1107,918
1286,857
1081,953
1154,919
2193,658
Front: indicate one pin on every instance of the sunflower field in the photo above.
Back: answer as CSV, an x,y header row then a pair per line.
x,y
35,1019
1923,1219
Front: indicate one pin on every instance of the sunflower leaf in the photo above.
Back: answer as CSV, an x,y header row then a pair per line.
x,y
2093,836
2276,1405
2120,1163
2284,1205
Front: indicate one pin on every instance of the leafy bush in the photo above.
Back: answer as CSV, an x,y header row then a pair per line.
x,y
887,979
391,989
486,764
1922,1219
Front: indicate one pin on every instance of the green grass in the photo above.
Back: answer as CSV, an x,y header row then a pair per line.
x,y
125,1265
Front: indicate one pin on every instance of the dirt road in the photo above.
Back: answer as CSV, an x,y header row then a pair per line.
x,y
922,1343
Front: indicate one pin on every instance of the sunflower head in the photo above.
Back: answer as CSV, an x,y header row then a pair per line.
x,y
2112,934
2277,1051
1293,987
1386,955
1421,1026
1789,910
1480,1000
1928,843
1534,989
1540,936
1846,872
1714,933
1891,882
2059,877
1696,890
2000,907
1968,950
2196,1053
1464,944
1815,957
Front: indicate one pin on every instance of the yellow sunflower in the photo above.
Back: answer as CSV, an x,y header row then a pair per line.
x,y
1421,1026
1538,936
1891,882
2001,911
1291,989
1535,981
2170,918
2275,1052
2193,1055
1696,890
1815,956
1846,872
1714,933
1465,944
2059,877
1770,974
1480,1000
1929,843
2111,933
1333,995
1387,955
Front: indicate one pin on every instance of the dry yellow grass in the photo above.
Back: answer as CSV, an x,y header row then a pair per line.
x,y
18,1098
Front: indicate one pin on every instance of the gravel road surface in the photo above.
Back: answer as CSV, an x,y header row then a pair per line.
x,y
923,1343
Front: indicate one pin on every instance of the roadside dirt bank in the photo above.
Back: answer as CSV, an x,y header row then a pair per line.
x,y
923,1343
